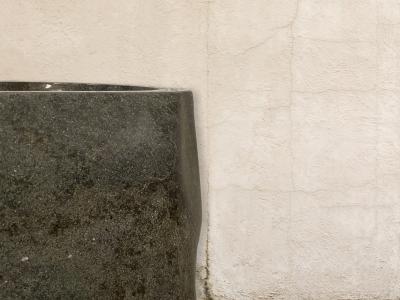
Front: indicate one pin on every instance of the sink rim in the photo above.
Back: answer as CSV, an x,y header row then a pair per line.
x,y
78,87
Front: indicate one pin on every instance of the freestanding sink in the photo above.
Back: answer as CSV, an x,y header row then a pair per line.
x,y
99,192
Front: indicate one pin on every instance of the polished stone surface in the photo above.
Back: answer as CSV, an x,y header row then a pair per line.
x,y
99,192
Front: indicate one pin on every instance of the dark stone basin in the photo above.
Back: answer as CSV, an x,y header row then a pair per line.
x,y
99,192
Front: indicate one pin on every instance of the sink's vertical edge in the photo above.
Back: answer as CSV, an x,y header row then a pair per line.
x,y
188,171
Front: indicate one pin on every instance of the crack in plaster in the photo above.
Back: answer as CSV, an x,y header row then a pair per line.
x,y
377,137
290,208
333,41
206,284
263,41
342,188
257,45
335,91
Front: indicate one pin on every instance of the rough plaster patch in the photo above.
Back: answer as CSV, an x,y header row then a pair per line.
x,y
263,226
338,149
328,65
334,20
334,140
389,67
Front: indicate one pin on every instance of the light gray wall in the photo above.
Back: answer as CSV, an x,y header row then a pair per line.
x,y
298,116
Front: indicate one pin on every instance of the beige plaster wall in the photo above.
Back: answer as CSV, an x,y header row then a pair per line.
x,y
298,116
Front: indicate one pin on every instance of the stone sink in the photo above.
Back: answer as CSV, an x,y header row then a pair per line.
x,y
99,192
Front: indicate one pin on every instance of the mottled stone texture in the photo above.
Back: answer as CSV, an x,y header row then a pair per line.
x,y
99,194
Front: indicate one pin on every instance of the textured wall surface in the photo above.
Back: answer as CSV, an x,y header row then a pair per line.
x,y
298,115
305,149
